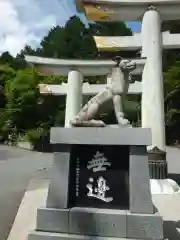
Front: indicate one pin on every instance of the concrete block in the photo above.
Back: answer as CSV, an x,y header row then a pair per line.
x,y
58,189
59,236
139,180
101,136
144,226
97,222
53,220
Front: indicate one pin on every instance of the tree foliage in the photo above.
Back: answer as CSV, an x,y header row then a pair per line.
x,y
172,102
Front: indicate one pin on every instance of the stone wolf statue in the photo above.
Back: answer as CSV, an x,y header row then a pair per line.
x,y
115,91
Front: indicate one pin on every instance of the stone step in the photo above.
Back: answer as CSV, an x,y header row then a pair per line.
x,y
100,222
53,220
60,236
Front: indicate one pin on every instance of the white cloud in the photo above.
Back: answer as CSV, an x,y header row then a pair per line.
x,y
26,21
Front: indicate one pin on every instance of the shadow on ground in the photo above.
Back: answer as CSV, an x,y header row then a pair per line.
x,y
175,177
171,231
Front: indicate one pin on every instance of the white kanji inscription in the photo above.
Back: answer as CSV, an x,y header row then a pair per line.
x,y
77,176
100,190
98,163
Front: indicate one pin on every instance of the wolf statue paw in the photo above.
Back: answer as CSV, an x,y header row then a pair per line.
x,y
90,123
124,121
121,120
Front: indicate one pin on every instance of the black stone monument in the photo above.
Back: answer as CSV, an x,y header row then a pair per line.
x,y
99,176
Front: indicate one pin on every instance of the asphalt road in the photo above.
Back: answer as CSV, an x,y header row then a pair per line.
x,y
18,167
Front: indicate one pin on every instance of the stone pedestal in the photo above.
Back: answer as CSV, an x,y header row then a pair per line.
x,y
100,187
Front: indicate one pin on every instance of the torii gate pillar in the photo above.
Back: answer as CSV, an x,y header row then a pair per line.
x,y
152,82
74,96
153,99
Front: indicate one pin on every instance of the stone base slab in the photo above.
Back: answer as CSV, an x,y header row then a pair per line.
x,y
100,222
53,220
144,226
58,236
101,136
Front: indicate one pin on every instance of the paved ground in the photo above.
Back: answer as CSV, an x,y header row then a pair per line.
x,y
173,158
169,208
18,167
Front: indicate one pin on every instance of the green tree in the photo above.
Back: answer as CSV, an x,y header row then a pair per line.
x,y
7,59
6,74
172,102
109,29
173,55
22,94
75,39
52,44
25,107
28,50
20,62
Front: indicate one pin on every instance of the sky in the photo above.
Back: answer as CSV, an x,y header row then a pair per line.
x,y
25,22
